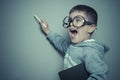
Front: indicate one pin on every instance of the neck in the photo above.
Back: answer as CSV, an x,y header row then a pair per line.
x,y
86,37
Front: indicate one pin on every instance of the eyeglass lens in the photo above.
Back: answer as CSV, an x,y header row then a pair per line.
x,y
77,21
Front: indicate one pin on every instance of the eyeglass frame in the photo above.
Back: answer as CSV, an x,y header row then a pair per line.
x,y
71,21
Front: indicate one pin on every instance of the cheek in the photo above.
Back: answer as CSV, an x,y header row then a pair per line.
x,y
82,33
82,30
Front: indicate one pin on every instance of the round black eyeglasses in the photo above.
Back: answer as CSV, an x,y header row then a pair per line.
x,y
77,21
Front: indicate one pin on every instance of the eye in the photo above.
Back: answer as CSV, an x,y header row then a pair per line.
x,y
78,19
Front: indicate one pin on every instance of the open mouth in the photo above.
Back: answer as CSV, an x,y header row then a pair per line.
x,y
73,32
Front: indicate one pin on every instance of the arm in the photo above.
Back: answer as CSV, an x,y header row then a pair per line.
x,y
95,65
60,43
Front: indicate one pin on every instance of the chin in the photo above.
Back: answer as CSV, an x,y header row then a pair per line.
x,y
74,41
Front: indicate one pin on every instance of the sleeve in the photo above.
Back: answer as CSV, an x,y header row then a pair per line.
x,y
58,41
95,65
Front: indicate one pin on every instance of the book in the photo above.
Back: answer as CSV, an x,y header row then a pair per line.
x,y
77,72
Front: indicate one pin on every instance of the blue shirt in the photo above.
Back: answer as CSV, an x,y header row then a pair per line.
x,y
90,52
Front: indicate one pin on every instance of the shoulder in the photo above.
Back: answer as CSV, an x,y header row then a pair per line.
x,y
92,49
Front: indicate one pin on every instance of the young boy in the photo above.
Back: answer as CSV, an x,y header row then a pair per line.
x,y
81,23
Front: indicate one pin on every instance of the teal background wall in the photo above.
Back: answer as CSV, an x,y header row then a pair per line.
x,y
25,53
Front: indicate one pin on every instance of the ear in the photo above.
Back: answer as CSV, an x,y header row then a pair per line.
x,y
91,28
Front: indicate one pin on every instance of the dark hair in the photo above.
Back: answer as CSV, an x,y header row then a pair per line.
x,y
90,12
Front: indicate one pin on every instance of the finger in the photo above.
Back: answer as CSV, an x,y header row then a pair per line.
x,y
44,23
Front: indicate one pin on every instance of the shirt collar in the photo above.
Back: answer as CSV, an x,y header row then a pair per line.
x,y
89,40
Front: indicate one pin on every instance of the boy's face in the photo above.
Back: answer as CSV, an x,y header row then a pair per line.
x,y
79,34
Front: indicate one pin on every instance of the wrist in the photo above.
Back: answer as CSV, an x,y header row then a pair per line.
x,y
47,32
